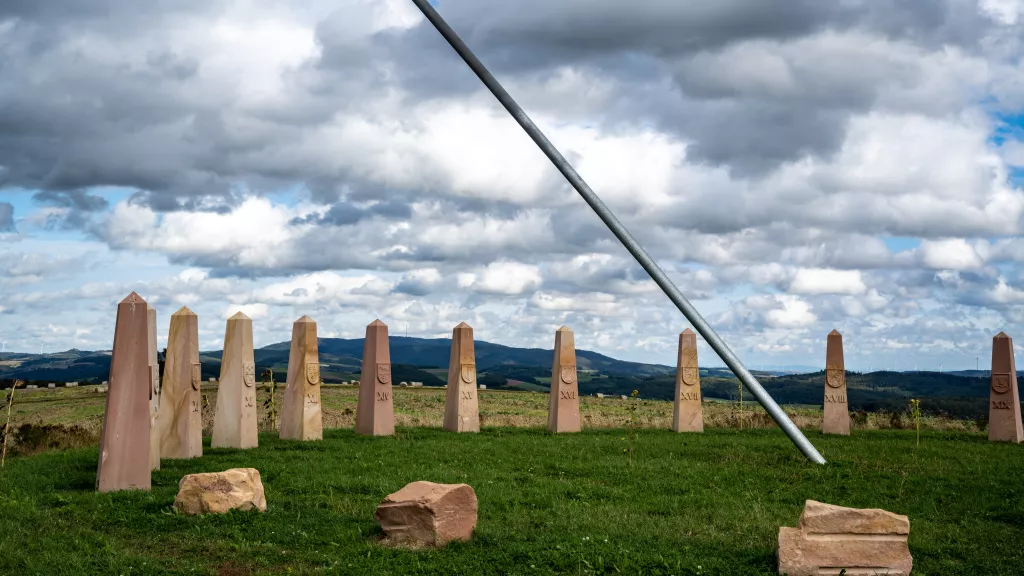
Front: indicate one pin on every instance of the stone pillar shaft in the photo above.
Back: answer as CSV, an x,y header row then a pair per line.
x,y
836,413
301,417
564,401
180,416
154,392
234,424
461,408
1004,422
124,461
375,414
687,414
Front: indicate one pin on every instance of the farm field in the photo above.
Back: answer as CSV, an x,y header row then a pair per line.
x,y
83,407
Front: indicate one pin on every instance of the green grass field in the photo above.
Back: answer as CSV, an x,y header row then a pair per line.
x,y
571,504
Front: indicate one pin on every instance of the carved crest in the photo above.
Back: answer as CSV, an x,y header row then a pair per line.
x,y
691,376
384,373
568,374
468,373
197,376
1001,383
313,373
835,378
249,374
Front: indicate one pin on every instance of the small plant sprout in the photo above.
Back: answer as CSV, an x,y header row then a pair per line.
x,y
632,422
739,394
915,411
7,425
271,404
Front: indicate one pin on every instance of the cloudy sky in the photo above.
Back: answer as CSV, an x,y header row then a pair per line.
x,y
795,166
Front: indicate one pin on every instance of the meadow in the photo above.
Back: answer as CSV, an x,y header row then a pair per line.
x,y
684,504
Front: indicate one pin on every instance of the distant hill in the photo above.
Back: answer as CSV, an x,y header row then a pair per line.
x,y
342,358
961,393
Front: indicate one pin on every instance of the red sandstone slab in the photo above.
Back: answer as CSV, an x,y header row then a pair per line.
x,y
124,461
375,414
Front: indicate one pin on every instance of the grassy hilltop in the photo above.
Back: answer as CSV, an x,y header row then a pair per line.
x,y
567,504
688,504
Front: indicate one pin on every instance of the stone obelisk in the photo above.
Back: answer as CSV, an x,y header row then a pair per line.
x,y
124,445
461,409
1004,424
836,417
301,418
154,392
180,416
564,401
687,414
375,415
234,425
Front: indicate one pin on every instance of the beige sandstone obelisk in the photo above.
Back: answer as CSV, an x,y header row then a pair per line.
x,y
302,418
154,391
124,443
180,416
687,414
461,409
1004,424
234,425
375,414
564,400
836,417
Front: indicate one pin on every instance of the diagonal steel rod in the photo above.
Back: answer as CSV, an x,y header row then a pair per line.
x,y
634,248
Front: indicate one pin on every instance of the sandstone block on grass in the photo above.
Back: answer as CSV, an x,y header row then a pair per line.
x,y
833,538
218,492
428,514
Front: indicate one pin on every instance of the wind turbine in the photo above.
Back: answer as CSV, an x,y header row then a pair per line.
x,y
3,346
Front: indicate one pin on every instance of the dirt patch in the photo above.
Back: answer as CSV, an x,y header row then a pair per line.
x,y
34,438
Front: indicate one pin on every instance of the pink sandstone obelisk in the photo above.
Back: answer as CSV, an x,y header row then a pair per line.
x,y
375,414
1004,423
302,418
234,425
180,417
836,416
154,391
687,414
461,410
124,444
564,401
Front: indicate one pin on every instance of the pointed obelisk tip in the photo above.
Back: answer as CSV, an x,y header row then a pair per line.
x,y
462,326
564,329
184,311
687,331
1002,335
834,333
304,319
133,298
377,323
239,316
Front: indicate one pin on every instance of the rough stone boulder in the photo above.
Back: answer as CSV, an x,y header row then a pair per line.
x,y
428,514
218,492
832,538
